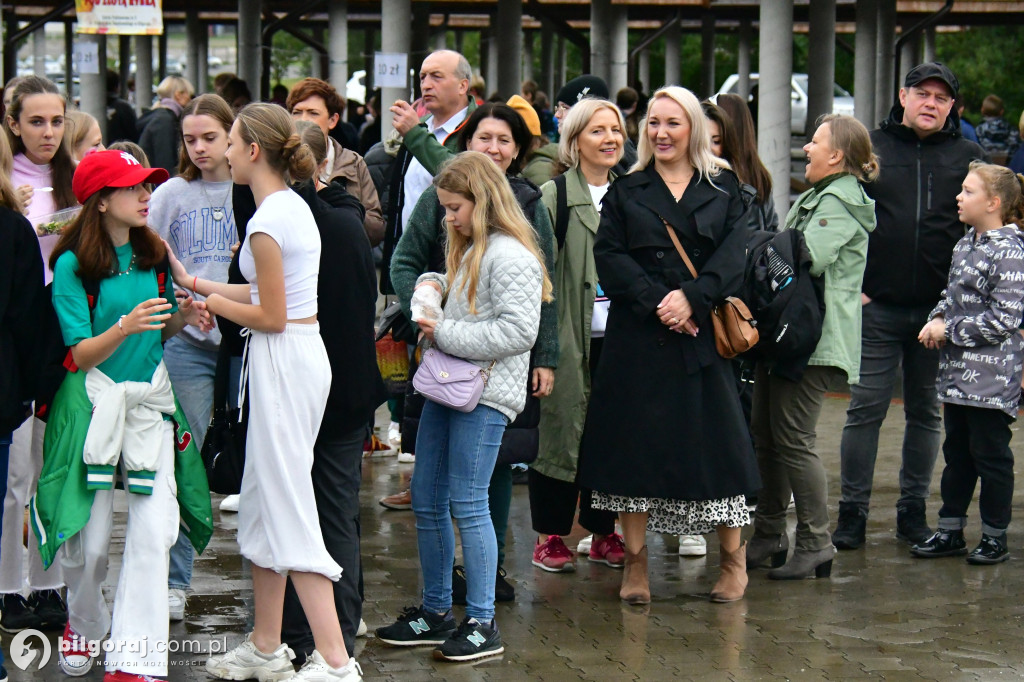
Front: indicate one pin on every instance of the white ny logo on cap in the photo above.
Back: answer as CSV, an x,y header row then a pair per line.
x,y
130,159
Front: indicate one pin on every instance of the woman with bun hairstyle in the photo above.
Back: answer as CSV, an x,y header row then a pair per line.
x,y
835,217
288,376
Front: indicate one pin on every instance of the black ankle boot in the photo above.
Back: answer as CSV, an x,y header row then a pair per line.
x,y
851,527
991,550
942,543
911,522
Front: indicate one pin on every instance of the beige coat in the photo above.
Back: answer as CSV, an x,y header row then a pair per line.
x,y
351,167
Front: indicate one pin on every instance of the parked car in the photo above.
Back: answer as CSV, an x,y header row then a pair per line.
x,y
842,101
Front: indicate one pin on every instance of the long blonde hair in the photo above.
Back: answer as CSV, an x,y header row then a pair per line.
x,y
704,163
475,177
8,195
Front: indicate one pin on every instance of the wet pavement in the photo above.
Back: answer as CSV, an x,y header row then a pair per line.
x,y
882,615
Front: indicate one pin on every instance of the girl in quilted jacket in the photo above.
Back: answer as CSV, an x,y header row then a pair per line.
x,y
976,327
494,286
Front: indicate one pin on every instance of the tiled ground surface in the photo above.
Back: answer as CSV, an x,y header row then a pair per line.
x,y
882,615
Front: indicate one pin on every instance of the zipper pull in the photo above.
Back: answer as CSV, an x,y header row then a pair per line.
x,y
930,175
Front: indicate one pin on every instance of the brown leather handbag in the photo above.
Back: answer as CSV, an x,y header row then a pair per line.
x,y
735,327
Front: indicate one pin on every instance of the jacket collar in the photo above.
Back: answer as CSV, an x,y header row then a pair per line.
x,y
894,125
648,189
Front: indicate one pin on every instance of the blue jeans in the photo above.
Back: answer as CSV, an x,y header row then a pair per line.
x,y
191,370
890,343
455,456
5,453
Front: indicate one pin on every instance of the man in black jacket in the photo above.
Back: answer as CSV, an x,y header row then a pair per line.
x,y
923,160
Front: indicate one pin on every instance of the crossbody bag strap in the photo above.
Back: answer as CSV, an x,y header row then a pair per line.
x,y
679,248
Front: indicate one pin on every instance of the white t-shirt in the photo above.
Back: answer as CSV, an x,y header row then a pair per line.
x,y
599,318
286,218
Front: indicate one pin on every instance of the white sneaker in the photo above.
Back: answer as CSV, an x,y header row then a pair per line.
x,y
584,546
317,670
361,630
246,662
406,458
394,434
230,504
692,545
176,604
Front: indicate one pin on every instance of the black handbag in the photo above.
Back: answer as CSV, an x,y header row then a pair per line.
x,y
394,320
224,448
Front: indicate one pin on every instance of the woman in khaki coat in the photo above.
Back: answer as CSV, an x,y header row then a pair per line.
x,y
591,144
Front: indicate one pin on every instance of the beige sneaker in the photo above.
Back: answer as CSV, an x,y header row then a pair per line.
x,y
317,670
246,662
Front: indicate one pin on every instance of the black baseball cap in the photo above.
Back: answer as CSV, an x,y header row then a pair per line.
x,y
932,71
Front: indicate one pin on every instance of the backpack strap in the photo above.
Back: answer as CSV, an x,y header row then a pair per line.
x,y
561,210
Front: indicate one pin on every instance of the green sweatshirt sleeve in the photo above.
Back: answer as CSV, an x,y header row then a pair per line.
x,y
546,348
427,150
412,253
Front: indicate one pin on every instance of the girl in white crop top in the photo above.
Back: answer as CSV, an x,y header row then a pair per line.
x,y
289,378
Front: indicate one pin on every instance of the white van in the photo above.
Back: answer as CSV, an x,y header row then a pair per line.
x,y
842,101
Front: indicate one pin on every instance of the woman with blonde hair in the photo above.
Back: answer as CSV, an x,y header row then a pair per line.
x,y
494,285
835,217
665,444
83,132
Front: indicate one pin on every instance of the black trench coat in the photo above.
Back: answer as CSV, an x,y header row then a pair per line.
x,y
665,419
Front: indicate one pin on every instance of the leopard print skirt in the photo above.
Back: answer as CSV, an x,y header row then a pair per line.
x,y
679,517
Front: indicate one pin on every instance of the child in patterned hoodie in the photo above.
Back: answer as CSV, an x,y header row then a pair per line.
x,y
976,325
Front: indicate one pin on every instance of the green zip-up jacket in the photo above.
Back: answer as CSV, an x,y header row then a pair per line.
x,y
62,503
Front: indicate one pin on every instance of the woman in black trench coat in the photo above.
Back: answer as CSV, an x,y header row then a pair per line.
x,y
665,443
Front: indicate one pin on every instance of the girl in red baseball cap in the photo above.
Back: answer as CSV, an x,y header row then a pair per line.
x,y
116,410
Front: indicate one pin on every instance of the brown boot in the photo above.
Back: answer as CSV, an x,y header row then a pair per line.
x,y
733,580
635,587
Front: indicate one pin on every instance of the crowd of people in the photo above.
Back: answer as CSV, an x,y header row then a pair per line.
x,y
560,274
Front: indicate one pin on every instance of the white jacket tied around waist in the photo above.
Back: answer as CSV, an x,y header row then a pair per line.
x,y
505,325
127,419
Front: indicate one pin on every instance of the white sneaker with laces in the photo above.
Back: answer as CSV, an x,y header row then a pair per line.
x,y
361,630
317,670
692,545
406,457
394,434
246,662
584,546
176,604
230,504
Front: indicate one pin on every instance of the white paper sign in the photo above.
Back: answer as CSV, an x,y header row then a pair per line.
x,y
390,69
86,57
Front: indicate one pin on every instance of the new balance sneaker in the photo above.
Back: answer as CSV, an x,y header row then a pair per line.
x,y
552,555
399,501
176,604
230,504
418,627
122,676
693,545
585,545
471,641
610,551
73,655
16,614
316,669
246,662
50,608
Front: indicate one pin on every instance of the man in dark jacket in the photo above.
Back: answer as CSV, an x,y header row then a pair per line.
x,y
923,160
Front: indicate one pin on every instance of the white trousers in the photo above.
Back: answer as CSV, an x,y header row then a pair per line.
x,y
289,378
139,630
25,463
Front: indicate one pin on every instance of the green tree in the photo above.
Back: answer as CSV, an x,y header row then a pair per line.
x,y
288,51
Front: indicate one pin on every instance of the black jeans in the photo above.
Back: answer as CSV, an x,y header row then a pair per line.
x,y
337,472
977,446
553,507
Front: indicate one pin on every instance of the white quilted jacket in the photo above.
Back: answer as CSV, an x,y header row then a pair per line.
x,y
505,325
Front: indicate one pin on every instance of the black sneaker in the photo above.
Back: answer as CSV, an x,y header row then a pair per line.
x,y
912,522
459,586
17,615
941,543
991,550
503,590
471,641
50,608
850,528
417,627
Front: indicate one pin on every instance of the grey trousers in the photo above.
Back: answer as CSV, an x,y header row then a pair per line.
x,y
784,425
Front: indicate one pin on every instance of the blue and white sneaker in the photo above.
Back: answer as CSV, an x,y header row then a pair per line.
x,y
418,627
473,640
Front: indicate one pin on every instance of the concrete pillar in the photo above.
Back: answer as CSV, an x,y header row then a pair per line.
x,y
821,61
369,45
250,53
69,56
865,53
618,53
94,85
910,57
743,59
396,36
192,43
337,50
439,41
560,67
161,72
124,59
39,52
509,43
203,84
485,55
547,58
929,44
316,65
707,55
885,93
672,73
143,73
526,68
774,101
493,56
600,38
643,68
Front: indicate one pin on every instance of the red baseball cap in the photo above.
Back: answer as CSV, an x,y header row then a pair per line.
x,y
110,168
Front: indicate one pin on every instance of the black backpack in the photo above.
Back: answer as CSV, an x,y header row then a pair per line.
x,y
785,299
57,357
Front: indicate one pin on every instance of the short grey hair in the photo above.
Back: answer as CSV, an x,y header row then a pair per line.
x,y
576,121
463,71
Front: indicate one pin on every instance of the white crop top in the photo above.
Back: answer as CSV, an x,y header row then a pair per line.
x,y
286,218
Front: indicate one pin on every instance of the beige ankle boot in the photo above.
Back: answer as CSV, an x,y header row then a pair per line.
x,y
732,583
635,587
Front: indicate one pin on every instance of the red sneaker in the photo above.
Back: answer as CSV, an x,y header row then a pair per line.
x,y
553,556
610,551
73,655
122,676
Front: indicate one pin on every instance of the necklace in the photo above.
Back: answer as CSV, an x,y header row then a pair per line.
x,y
216,211
131,266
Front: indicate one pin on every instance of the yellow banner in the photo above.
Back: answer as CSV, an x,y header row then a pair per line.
x,y
120,17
